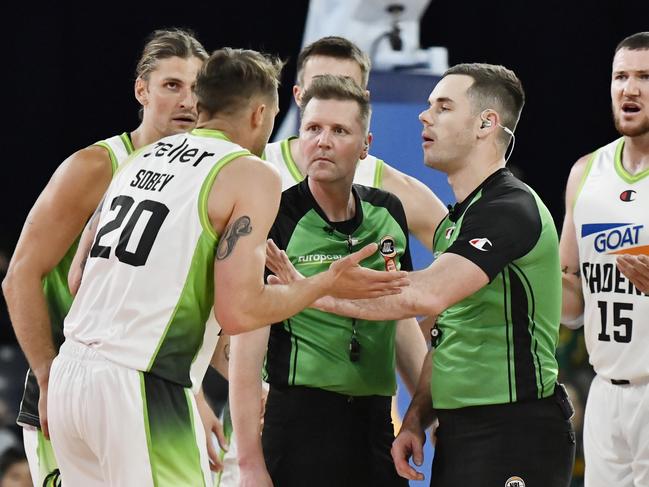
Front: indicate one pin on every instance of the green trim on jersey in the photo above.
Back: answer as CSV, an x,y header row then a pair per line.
x,y
186,327
621,170
57,293
174,455
589,165
498,344
291,165
128,143
215,134
47,463
378,173
207,187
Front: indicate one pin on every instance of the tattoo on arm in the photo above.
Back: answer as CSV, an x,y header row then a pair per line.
x,y
577,272
240,228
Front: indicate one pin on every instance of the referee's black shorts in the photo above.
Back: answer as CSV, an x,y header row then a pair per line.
x,y
317,438
490,446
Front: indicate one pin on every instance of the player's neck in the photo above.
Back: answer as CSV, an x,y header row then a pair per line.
x,y
144,135
635,155
469,176
335,199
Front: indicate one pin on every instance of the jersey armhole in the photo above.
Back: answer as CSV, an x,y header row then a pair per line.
x,y
589,164
207,187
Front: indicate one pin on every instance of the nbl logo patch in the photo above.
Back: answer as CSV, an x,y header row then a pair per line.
x,y
515,482
388,250
482,244
628,195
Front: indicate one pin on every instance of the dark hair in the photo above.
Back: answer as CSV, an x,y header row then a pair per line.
x,y
494,87
166,43
10,457
230,77
634,42
336,47
331,87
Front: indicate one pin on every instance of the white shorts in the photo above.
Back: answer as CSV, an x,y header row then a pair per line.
x,y
115,426
616,434
40,457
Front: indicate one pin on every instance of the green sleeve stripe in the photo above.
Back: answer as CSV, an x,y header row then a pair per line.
x,y
621,171
207,186
378,174
128,143
145,411
585,175
111,154
289,161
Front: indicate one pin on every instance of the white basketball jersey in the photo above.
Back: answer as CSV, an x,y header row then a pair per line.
x,y
148,285
611,215
369,171
119,147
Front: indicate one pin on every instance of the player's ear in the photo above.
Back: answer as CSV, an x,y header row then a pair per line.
x,y
141,91
366,145
257,115
297,94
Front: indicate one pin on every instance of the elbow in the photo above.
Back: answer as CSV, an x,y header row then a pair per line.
x,y
234,320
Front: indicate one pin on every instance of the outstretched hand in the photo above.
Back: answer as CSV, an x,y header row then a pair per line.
x,y
636,269
348,279
355,282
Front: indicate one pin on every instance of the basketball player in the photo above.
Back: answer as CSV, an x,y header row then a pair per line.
x,y
604,256
36,286
183,226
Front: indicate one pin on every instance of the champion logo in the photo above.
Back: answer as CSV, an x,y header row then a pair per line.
x,y
628,195
515,482
449,232
482,244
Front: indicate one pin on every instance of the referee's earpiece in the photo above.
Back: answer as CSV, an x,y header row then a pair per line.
x,y
485,123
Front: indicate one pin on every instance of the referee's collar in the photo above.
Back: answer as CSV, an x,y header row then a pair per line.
x,y
346,227
455,211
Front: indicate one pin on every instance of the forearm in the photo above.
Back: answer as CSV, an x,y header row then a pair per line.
x,y
271,304
413,300
245,395
221,356
411,352
30,319
420,414
572,304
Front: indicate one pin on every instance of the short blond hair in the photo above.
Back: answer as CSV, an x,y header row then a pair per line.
x,y
332,87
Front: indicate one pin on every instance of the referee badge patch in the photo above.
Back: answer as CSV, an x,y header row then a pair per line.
x,y
515,482
388,250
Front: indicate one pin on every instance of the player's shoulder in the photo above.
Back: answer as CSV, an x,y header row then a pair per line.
x,y
93,159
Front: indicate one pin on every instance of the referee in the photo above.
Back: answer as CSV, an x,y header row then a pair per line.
x,y
496,289
327,420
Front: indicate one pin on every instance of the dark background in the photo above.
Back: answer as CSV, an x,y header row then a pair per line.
x,y
68,74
